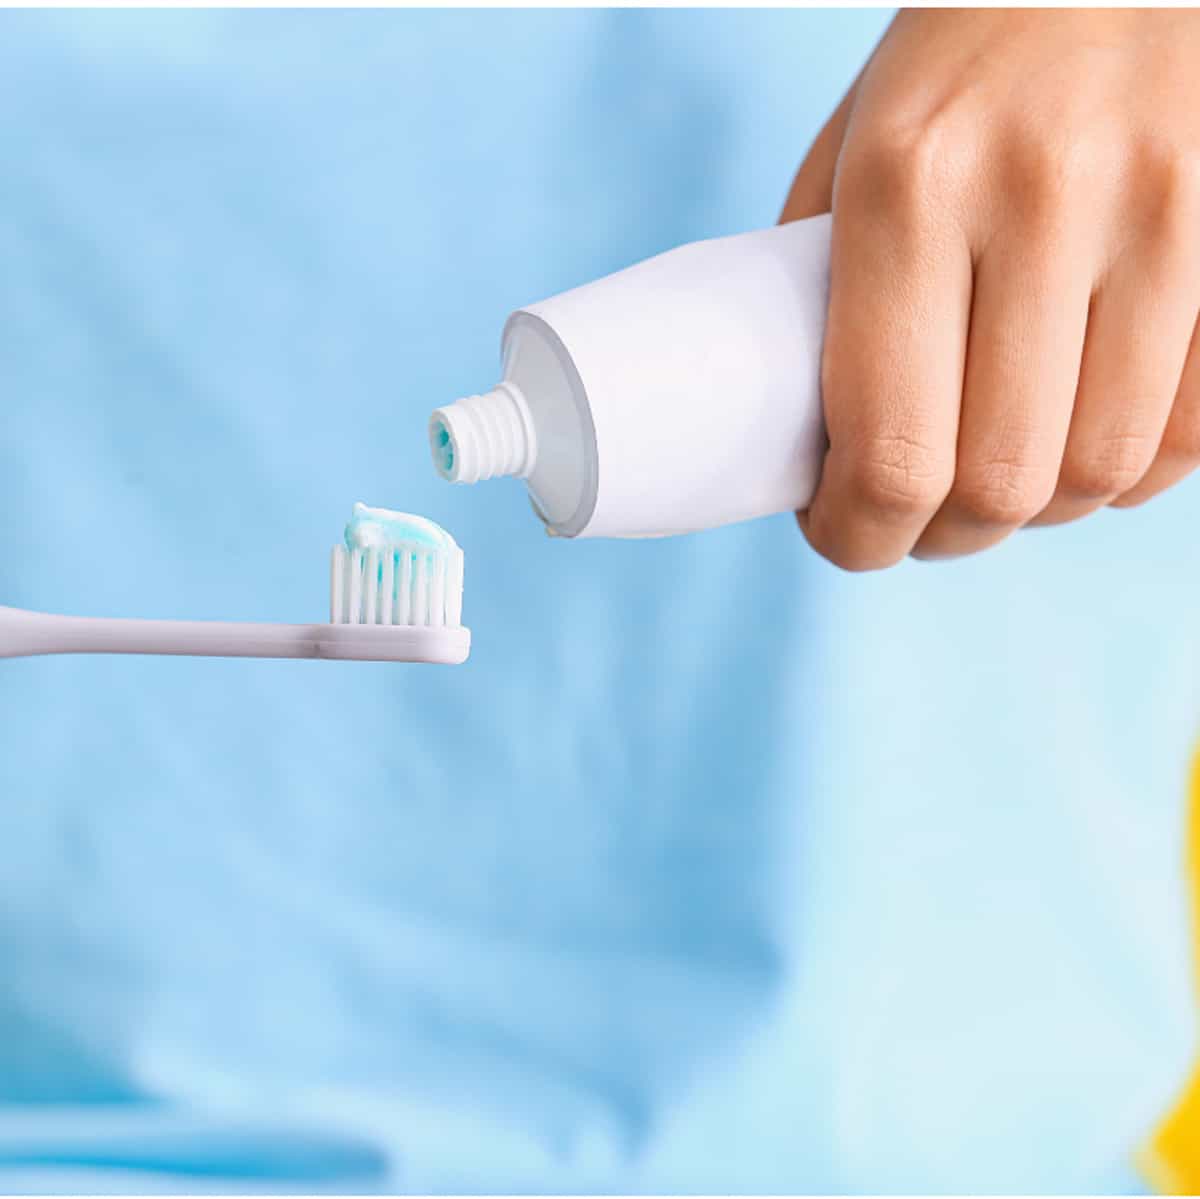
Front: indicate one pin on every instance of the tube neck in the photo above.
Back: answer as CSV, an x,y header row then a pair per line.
x,y
484,436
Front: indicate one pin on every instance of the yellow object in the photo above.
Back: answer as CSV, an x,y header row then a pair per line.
x,y
1171,1159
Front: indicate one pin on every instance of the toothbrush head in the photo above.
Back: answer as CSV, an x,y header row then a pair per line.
x,y
396,588
396,570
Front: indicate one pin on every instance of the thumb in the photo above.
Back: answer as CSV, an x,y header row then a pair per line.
x,y
812,189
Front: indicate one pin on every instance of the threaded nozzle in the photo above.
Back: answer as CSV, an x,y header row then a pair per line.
x,y
483,436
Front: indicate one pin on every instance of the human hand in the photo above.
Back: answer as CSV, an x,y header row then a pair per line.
x,y
1015,277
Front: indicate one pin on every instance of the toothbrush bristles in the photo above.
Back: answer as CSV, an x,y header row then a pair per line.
x,y
408,584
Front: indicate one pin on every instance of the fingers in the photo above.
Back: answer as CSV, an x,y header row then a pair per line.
x,y
1141,323
892,365
1028,320
965,402
1012,297
1179,451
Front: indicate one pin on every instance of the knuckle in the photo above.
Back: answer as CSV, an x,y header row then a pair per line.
x,y
1043,175
903,170
1106,468
1174,177
1001,493
899,477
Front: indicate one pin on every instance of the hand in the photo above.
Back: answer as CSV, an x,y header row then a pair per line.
x,y
1015,277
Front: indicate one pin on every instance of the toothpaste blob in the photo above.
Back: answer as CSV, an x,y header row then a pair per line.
x,y
396,569
380,528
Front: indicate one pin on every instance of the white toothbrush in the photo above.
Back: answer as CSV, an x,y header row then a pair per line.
x,y
399,603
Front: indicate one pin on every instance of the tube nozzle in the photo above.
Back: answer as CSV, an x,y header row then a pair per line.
x,y
483,436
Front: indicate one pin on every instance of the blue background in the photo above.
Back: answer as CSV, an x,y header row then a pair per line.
x,y
714,868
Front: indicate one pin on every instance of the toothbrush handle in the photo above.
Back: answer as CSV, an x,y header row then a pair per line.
x,y
24,634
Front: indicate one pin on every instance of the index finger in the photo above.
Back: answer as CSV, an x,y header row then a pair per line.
x,y
892,365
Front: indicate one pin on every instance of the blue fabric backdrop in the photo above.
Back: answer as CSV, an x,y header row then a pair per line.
x,y
714,868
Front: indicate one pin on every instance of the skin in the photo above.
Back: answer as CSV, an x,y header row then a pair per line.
x,y
1015,282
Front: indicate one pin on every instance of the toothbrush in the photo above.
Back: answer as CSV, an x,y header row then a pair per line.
x,y
390,601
